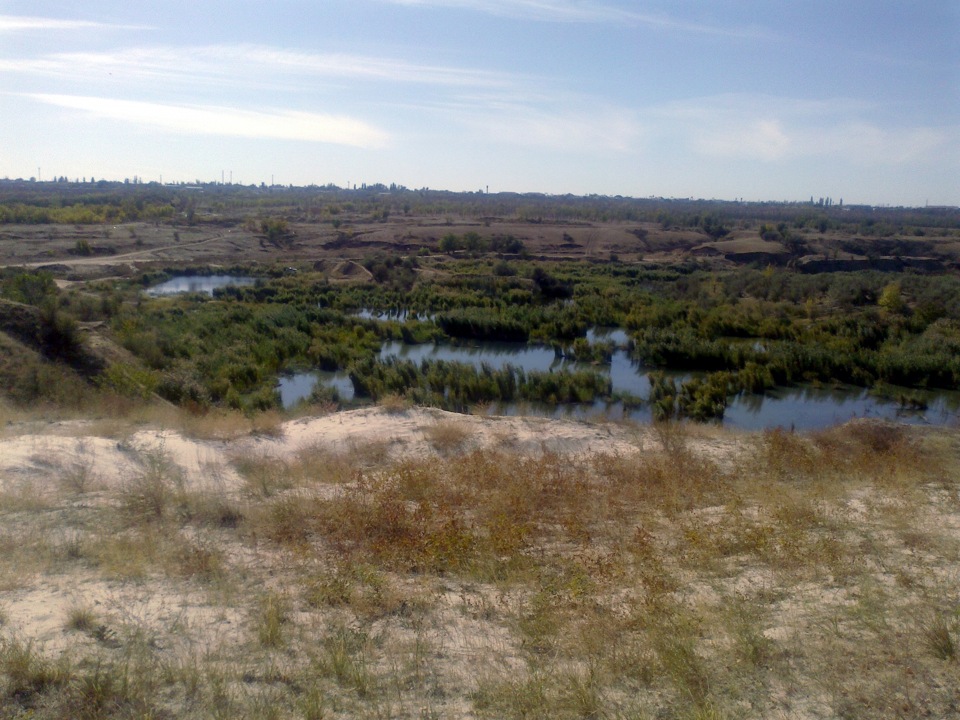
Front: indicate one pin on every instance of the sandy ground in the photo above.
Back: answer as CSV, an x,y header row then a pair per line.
x,y
41,462
838,631
42,456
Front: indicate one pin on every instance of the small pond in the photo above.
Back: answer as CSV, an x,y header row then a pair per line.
x,y
197,284
298,386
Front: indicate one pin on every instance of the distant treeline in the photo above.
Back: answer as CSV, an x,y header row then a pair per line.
x,y
379,202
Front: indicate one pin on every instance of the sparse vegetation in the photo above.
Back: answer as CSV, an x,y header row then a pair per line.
x,y
684,578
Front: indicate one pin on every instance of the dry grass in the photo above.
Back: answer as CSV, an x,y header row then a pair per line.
x,y
811,576
395,403
447,436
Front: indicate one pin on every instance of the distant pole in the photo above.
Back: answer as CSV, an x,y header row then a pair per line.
x,y
231,177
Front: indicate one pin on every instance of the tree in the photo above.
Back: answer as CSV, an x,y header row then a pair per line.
x,y
891,298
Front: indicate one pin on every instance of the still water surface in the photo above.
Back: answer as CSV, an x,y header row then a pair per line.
x,y
802,408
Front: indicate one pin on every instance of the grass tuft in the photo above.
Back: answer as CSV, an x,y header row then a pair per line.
x,y
270,618
81,618
447,436
938,637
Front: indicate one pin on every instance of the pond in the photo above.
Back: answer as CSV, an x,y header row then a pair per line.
x,y
296,387
812,407
803,408
197,284
799,408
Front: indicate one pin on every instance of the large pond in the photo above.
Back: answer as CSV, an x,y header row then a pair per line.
x,y
197,284
802,408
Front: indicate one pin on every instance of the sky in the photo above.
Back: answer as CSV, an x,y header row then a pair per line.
x,y
762,100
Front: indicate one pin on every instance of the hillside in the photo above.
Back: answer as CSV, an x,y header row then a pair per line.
x,y
413,563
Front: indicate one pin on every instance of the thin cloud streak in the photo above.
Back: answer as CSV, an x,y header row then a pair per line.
x,y
567,11
241,63
223,121
20,23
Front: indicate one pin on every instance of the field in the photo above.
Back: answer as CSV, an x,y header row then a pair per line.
x,y
178,545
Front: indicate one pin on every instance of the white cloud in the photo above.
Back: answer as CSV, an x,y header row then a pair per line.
x,y
233,122
769,129
20,23
244,65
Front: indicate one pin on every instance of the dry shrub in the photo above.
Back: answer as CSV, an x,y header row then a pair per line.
x,y
198,558
447,436
210,509
314,465
784,456
938,637
395,404
80,618
429,536
362,587
442,515
155,492
264,475
674,481
870,450
28,674
268,423
367,454
289,520
214,425
79,476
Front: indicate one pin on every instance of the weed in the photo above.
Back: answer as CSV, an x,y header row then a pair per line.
x,y
344,658
150,496
938,637
395,404
264,476
268,423
79,477
28,673
270,618
199,558
447,436
81,618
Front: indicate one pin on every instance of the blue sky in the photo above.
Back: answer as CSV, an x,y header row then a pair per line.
x,y
723,99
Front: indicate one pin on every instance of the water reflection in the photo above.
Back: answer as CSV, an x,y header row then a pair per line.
x,y
391,315
810,407
297,387
197,284
803,408
618,336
